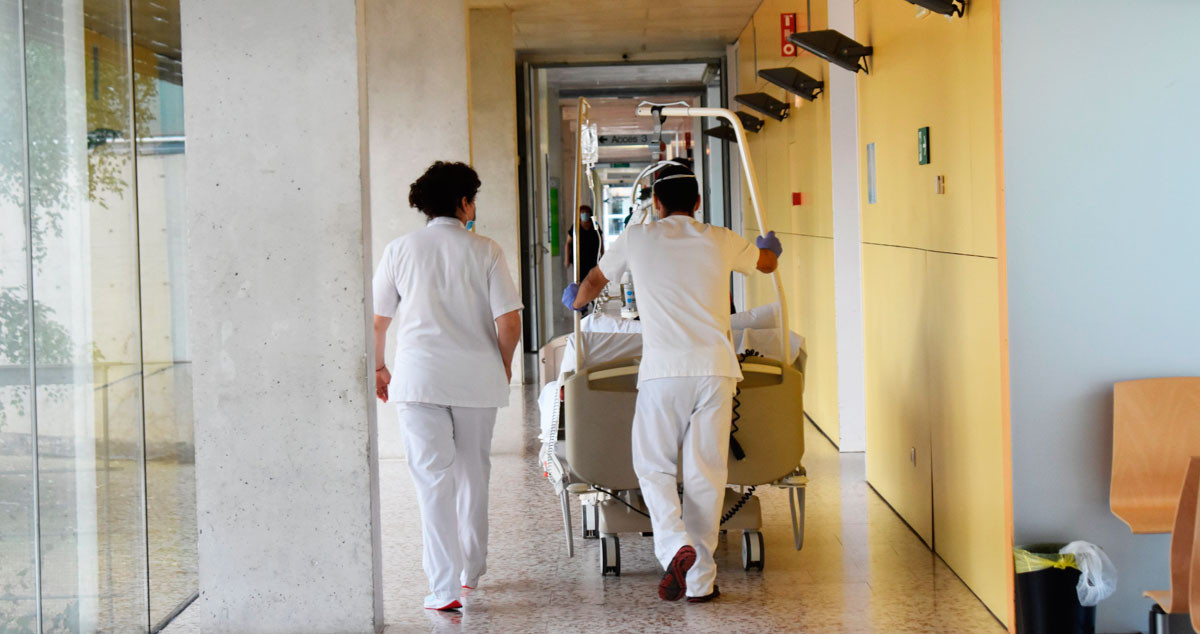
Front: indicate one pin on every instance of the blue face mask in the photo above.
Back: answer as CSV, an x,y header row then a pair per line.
x,y
470,225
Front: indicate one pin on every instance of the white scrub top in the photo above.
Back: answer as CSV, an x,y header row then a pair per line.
x,y
445,287
680,271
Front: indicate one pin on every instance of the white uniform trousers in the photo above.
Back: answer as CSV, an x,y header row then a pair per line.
x,y
688,418
448,452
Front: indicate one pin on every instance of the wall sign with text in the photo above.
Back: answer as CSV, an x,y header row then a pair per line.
x,y
787,26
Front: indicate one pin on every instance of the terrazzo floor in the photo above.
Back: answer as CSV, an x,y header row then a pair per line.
x,y
861,569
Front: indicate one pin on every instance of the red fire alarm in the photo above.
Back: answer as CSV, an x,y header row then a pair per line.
x,y
797,199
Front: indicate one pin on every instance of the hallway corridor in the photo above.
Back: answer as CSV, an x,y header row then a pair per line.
x,y
861,569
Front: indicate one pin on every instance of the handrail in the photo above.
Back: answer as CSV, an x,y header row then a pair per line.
x,y
649,110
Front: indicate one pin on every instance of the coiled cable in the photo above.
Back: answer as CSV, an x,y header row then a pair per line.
x,y
734,446
737,506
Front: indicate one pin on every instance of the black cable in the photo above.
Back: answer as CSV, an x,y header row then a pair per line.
x,y
734,445
618,498
737,506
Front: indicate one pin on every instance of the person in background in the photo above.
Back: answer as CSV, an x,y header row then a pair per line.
x,y
458,317
591,243
688,373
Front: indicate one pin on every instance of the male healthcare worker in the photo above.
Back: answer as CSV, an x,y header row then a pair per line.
x,y
688,374
458,321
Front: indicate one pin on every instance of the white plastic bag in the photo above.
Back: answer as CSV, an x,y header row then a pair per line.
x,y
1097,574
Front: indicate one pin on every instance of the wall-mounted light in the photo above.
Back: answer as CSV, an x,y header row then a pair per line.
x,y
750,122
834,48
793,81
724,132
764,103
944,7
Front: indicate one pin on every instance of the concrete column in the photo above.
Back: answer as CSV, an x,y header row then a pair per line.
x,y
847,243
419,103
494,137
287,486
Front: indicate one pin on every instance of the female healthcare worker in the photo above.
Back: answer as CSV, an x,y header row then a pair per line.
x,y
458,321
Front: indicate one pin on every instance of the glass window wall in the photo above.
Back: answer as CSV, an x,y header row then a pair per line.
x,y
97,494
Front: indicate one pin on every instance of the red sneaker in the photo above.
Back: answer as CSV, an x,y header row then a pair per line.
x,y
674,582
453,605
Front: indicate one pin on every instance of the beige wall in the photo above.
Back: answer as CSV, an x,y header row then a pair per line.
x,y
418,112
493,111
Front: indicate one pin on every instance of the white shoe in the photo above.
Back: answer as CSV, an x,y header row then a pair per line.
x,y
434,603
469,583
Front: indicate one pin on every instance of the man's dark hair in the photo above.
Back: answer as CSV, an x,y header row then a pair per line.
x,y
442,187
676,188
585,208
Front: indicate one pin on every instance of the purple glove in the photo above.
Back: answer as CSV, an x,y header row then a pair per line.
x,y
770,243
569,293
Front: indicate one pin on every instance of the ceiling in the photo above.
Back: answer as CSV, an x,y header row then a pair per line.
x,y
628,76
624,26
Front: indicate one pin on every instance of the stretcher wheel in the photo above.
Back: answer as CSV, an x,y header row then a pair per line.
x,y
591,520
610,555
752,550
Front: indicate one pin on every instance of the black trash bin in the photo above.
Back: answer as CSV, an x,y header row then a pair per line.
x,y
1047,602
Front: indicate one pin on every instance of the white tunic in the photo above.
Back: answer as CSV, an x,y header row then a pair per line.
x,y
445,287
680,271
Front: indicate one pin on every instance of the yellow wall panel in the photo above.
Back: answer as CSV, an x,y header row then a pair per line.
x,y
811,171
812,306
964,396
895,317
937,73
794,156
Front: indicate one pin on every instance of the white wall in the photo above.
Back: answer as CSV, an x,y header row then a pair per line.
x,y
847,243
1101,135
287,496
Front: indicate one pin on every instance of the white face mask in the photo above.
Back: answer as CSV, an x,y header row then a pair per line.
x,y
585,217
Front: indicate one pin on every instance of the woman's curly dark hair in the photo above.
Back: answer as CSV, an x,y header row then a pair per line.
x,y
442,187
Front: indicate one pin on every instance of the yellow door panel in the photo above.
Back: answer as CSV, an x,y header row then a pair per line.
x,y
964,395
895,316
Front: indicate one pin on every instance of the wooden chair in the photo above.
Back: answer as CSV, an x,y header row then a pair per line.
x,y
1156,431
1185,557
1194,574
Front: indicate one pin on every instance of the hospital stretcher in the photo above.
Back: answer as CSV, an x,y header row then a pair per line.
x,y
587,442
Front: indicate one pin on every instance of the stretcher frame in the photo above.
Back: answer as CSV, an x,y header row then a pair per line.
x,y
608,489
